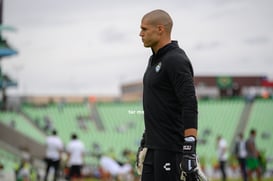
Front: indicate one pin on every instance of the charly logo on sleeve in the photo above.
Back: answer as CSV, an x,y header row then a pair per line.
x,y
158,67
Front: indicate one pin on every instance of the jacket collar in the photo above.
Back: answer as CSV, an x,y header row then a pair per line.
x,y
166,48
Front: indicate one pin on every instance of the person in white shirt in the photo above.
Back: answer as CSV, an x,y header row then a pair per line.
x,y
111,166
54,147
222,155
75,150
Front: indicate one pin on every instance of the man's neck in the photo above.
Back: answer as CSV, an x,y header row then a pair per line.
x,y
160,45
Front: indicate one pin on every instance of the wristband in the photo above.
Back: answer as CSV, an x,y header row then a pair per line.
x,y
189,145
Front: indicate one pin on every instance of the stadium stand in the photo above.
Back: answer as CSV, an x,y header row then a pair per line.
x,y
113,127
21,124
63,119
123,124
217,117
9,160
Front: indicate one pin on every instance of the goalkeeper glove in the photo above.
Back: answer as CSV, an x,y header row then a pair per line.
x,y
141,153
140,159
190,169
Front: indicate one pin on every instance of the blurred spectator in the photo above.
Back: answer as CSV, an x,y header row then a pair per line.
x,y
130,158
61,104
37,123
117,171
96,149
111,153
265,93
48,124
252,161
2,175
81,122
54,148
12,124
23,170
251,94
241,153
222,155
25,153
75,150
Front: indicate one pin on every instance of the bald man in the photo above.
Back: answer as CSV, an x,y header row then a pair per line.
x,y
170,106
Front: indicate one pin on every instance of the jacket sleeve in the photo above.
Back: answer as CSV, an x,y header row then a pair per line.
x,y
180,73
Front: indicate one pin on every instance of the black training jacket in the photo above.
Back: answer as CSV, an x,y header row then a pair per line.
x,y
169,99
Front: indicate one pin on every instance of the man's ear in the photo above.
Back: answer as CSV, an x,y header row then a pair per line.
x,y
160,28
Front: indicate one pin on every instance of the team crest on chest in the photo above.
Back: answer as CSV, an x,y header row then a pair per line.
x,y
158,67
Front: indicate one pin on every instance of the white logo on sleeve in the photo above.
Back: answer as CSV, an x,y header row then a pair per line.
x,y
167,166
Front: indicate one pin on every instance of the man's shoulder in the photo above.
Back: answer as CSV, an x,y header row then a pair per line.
x,y
176,59
54,139
176,55
76,143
